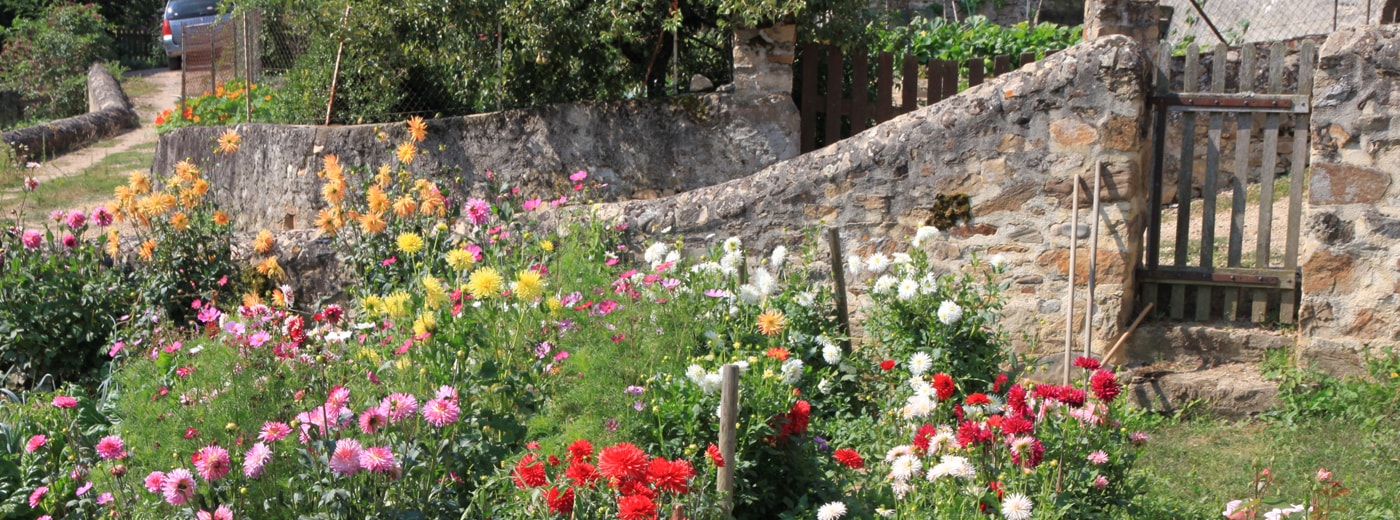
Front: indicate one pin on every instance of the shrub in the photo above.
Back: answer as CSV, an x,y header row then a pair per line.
x,y
47,59
941,39
226,105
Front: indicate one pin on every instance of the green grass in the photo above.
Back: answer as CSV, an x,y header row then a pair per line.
x,y
94,183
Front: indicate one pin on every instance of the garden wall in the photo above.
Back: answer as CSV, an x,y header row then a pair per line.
x,y
109,114
641,148
1351,238
1011,145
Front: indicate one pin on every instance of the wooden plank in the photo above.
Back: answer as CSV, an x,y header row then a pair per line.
x,y
808,127
950,79
911,85
1027,58
1208,186
835,70
1183,183
1001,65
860,92
1260,305
1244,135
884,87
1149,294
933,81
1153,249
1301,122
976,71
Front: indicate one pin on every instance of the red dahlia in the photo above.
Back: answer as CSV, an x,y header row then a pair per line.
x,y
636,507
529,472
996,384
887,365
623,461
923,437
670,476
943,385
1016,400
1105,386
715,456
1016,425
581,450
581,473
972,432
849,458
560,502
977,399
1086,363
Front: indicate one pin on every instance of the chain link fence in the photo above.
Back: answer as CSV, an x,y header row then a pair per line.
x,y
1236,22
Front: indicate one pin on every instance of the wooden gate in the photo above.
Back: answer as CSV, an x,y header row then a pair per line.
x,y
1183,271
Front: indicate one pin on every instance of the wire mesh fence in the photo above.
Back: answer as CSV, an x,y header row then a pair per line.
x,y
1251,21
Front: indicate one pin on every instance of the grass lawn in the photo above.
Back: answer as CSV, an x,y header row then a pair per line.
x,y
93,184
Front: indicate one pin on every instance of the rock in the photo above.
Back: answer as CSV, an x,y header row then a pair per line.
x,y
1331,230
1326,272
1071,133
109,114
699,83
1333,183
1235,391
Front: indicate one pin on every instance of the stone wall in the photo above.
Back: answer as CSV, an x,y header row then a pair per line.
x,y
641,148
1351,237
1012,145
109,114
763,59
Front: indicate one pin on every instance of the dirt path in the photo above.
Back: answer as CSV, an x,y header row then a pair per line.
x,y
158,90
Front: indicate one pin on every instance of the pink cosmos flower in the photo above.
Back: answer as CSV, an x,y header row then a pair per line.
x,y
87,486
30,183
31,238
104,499
37,495
345,460
178,487
111,448
440,412
477,211
532,204
63,401
102,216
1098,457
209,314
35,442
578,176
373,418
400,406
76,219
255,459
212,462
258,338
116,347
69,241
154,481
273,431
378,459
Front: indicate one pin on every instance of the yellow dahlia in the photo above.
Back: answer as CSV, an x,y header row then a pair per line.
x,y
405,152
460,259
485,283
410,243
528,285
228,142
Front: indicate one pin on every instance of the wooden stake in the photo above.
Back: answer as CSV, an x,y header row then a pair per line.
x,y
1069,300
838,277
728,426
1093,262
1133,327
335,72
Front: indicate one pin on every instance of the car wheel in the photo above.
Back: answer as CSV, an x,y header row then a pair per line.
x,y
175,62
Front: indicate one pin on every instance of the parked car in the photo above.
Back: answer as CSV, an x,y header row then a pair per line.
x,y
178,15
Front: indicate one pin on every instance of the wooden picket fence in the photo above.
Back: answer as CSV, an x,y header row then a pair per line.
x,y
835,106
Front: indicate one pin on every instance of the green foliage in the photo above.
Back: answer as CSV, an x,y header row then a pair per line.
x,y
941,39
227,105
46,59
1369,400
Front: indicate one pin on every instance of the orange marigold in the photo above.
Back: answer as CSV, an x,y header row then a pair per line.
x,y
778,353
417,129
264,242
405,152
373,222
148,250
270,268
333,192
221,218
384,177
330,165
186,170
405,206
329,221
228,142
180,221
378,200
113,244
251,300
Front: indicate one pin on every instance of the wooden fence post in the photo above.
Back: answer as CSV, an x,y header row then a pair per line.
x,y
728,430
335,73
838,277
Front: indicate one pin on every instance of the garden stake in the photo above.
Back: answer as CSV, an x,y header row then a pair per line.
x,y
247,73
838,277
1069,300
335,73
1093,262
1129,332
729,414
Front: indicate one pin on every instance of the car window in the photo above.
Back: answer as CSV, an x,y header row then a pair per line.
x,y
178,9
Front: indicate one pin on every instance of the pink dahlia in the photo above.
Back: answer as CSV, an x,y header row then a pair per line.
x,y
35,442
154,481
338,398
447,392
76,219
440,412
345,460
400,406
178,486
69,241
1098,457
31,238
212,462
111,448
378,459
273,431
222,513
63,401
255,459
102,216
373,418
37,495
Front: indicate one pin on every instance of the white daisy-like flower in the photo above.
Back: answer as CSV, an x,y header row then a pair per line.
x,y
792,371
750,294
949,312
900,489
902,259
805,298
908,289
1016,507
924,389
898,451
742,364
924,234
711,383
853,265
958,467
877,263
920,363
928,284
940,440
917,383
729,263
831,511
695,373
905,467
764,281
656,253
884,284
732,245
917,406
884,513
824,386
778,257
998,261
831,353
705,267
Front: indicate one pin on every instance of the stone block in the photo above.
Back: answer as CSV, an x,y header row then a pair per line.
x,y
1328,272
1110,268
1072,133
1334,183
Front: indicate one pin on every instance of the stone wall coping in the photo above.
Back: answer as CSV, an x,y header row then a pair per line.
x,y
109,114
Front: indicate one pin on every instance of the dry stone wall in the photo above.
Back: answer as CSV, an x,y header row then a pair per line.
x,y
109,114
1012,145
1351,237
641,148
